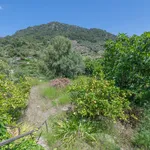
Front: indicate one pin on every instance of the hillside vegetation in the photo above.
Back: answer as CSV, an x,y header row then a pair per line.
x,y
93,39
26,48
108,97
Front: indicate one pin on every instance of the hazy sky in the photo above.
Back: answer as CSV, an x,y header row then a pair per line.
x,y
128,16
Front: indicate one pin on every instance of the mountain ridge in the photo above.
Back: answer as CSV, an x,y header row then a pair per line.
x,y
90,40
26,48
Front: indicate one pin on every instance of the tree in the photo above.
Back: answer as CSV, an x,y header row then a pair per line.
x,y
93,98
127,61
60,60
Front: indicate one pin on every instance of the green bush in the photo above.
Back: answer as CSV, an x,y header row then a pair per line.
x,y
4,67
93,98
60,60
59,96
74,133
13,97
93,67
26,144
126,61
4,119
142,137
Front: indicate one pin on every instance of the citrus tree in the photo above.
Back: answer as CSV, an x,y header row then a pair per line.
x,y
127,62
93,98
13,97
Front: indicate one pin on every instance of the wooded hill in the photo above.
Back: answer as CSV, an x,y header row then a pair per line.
x,y
27,47
85,40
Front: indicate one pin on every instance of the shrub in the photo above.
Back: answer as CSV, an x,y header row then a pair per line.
x,y
74,133
93,67
13,97
60,60
4,68
142,137
4,119
126,61
93,98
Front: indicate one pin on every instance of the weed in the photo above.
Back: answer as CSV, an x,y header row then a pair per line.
x,y
142,137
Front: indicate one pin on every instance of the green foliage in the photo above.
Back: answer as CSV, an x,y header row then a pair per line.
x,y
93,39
64,99
4,68
93,98
70,130
61,60
93,67
24,50
4,119
52,92
13,97
26,144
142,137
127,61
58,96
74,133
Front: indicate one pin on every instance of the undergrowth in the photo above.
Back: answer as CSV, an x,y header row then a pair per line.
x,y
142,137
58,96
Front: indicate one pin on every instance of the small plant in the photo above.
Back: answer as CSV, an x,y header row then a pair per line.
x,y
51,92
74,133
64,99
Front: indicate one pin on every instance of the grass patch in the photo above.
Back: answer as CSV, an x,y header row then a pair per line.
x,y
51,93
142,137
35,81
59,96
64,99
72,134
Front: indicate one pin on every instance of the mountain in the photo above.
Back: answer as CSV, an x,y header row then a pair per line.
x,y
83,39
24,50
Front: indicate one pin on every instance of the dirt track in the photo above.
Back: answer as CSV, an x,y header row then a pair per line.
x,y
40,108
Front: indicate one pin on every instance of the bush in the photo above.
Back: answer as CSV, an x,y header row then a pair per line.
x,y
58,96
93,98
4,68
60,60
126,61
142,137
93,67
74,133
13,97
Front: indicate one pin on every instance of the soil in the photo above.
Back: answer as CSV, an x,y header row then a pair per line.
x,y
40,109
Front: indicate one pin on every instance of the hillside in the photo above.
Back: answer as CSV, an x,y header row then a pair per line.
x,y
84,39
24,50
69,100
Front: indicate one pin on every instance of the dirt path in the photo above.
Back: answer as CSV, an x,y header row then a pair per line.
x,y
39,109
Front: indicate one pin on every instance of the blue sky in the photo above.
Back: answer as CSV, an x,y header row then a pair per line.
x,y
127,16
